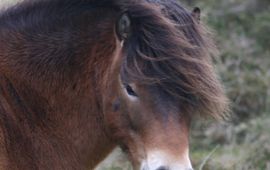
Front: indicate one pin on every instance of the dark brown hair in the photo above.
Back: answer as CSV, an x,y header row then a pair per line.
x,y
168,47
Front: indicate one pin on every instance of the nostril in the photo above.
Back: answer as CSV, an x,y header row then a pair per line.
x,y
163,168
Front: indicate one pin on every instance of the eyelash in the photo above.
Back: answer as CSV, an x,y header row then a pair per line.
x,y
130,91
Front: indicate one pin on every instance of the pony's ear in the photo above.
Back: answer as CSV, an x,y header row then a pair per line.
x,y
196,13
123,26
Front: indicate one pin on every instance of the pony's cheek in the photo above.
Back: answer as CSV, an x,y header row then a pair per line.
x,y
116,105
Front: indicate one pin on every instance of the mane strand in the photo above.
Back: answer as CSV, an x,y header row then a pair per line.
x,y
168,48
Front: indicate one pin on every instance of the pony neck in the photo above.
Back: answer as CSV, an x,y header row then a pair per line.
x,y
50,91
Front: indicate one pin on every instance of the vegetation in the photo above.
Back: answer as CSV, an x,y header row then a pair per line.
x,y
242,32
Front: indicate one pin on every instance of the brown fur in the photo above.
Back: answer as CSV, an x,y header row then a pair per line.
x,y
58,85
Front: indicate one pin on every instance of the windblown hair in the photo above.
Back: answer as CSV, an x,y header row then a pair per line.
x,y
170,48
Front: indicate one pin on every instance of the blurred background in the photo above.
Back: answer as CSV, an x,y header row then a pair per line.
x,y
242,33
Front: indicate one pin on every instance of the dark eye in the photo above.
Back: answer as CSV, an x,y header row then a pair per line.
x,y
130,91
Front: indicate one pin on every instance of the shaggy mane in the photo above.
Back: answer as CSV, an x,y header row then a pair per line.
x,y
168,48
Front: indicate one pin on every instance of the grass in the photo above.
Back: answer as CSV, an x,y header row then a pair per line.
x,y
243,146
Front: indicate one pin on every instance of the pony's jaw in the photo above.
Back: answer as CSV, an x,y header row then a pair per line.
x,y
160,160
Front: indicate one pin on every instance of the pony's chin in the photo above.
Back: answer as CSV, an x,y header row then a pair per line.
x,y
159,160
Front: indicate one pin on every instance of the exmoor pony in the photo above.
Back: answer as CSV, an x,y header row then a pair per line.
x,y
80,77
